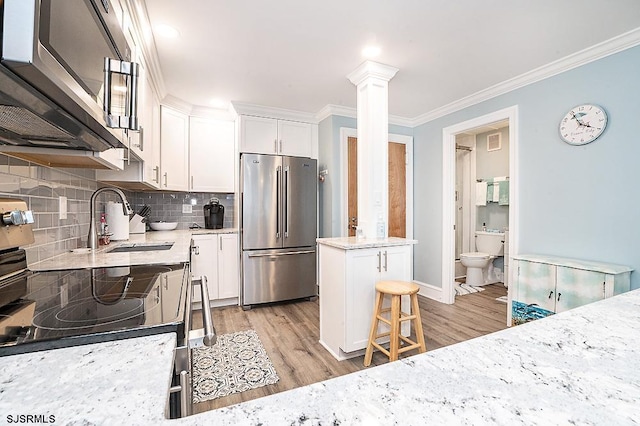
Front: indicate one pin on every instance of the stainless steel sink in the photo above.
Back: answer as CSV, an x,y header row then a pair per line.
x,y
126,248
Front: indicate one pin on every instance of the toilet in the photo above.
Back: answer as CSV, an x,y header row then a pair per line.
x,y
480,264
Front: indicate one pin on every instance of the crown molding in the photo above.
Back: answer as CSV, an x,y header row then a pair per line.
x,y
585,56
273,112
349,112
137,11
369,69
177,103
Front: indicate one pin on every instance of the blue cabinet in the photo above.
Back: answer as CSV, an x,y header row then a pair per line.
x,y
544,285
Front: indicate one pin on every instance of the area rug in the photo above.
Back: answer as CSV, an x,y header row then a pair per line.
x,y
463,289
236,363
502,299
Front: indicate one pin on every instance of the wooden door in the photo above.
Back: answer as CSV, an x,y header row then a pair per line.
x,y
352,155
397,188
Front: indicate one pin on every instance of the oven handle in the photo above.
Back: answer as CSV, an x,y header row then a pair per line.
x,y
185,406
210,337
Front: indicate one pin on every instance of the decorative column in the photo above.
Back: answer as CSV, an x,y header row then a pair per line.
x,y
372,83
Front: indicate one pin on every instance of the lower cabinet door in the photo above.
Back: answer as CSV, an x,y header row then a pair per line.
x,y
360,293
577,287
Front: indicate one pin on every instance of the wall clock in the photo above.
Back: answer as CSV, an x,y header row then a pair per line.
x,y
583,124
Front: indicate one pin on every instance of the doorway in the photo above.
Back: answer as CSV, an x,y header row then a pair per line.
x,y
509,116
400,184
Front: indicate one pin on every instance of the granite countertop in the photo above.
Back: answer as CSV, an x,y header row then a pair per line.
x,y
102,258
576,367
351,243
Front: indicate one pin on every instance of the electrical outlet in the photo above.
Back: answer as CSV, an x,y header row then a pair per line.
x,y
187,208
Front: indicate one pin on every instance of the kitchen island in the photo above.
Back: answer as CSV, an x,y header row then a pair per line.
x,y
573,367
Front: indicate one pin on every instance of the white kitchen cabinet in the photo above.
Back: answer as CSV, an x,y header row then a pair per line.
x,y
212,155
171,291
174,149
347,280
216,256
544,285
261,135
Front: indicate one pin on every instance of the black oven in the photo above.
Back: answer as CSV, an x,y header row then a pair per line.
x,y
55,309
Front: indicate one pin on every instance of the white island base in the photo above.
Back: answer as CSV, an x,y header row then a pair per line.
x,y
348,272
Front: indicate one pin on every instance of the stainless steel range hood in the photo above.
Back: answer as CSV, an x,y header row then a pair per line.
x,y
51,89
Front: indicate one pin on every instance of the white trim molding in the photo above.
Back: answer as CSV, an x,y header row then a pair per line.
x,y
273,112
429,291
448,190
349,112
347,132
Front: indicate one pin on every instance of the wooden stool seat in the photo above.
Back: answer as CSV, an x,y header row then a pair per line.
x,y
395,289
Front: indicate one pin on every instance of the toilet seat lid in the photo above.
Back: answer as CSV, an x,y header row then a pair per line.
x,y
476,255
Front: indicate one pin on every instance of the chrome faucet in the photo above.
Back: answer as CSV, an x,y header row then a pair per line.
x,y
92,240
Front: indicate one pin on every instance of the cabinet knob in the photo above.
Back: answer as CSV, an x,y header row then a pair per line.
x,y
559,294
550,294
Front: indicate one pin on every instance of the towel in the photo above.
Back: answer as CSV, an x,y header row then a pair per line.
x,y
481,193
489,191
504,193
496,191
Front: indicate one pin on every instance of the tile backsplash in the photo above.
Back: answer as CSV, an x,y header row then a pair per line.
x,y
168,207
41,188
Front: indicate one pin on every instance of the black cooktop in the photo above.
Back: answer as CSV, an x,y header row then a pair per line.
x,y
54,309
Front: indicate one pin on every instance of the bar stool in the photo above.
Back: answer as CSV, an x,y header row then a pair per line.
x,y
396,289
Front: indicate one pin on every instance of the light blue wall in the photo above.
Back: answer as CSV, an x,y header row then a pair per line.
x,y
490,164
329,159
575,201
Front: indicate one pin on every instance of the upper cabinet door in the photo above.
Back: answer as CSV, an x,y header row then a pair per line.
x,y
212,160
258,135
295,139
174,150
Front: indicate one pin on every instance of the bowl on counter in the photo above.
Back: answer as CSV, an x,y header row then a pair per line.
x,y
163,226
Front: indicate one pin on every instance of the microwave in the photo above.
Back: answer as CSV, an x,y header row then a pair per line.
x,y
66,76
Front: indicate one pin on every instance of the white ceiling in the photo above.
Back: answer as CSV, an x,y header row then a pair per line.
x,y
295,54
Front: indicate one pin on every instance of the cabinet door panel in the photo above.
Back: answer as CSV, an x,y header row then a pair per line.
x,y
536,284
204,261
294,138
211,155
577,287
228,272
258,135
171,290
174,136
360,297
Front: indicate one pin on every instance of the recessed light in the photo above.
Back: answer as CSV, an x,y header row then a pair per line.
x,y
165,30
218,103
371,51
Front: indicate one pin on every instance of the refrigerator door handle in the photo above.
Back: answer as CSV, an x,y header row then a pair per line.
x,y
278,202
285,207
281,254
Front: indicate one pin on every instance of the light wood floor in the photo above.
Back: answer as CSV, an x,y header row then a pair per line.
x,y
290,334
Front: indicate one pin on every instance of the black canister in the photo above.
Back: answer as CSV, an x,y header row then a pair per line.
x,y
213,214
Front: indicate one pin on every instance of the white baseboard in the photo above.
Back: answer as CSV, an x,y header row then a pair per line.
x,y
430,291
197,306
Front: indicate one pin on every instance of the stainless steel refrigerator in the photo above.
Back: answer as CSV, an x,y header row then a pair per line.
x,y
278,228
